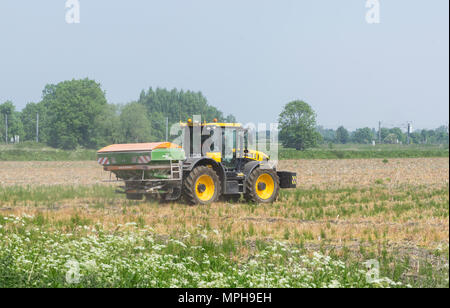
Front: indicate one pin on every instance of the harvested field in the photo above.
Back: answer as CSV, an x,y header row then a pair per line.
x,y
323,173
331,173
395,211
50,173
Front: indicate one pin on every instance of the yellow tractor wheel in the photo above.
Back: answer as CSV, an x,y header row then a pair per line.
x,y
201,186
262,186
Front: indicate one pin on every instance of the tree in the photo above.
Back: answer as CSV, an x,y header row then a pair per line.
x,y
415,137
176,105
363,135
71,112
391,139
7,108
107,129
442,134
158,126
328,134
29,118
384,133
230,119
342,135
424,135
297,125
15,127
400,136
179,105
134,123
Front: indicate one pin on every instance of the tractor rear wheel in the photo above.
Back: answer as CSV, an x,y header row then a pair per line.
x,y
201,186
262,186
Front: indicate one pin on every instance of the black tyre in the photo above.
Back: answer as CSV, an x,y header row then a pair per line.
x,y
262,186
201,186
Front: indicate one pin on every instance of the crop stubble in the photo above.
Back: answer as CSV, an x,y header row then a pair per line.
x,y
403,202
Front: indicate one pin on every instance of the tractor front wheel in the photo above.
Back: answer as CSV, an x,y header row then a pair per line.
x,y
201,186
262,186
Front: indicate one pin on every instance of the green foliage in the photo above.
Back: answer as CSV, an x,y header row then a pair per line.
x,y
363,135
298,126
399,135
72,108
176,105
134,123
388,136
107,129
31,151
351,151
28,117
7,108
391,139
15,127
75,113
158,126
437,136
35,255
384,133
54,193
328,134
342,135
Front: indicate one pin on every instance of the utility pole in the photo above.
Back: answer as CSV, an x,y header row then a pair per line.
x,y
6,128
408,140
37,127
379,132
167,129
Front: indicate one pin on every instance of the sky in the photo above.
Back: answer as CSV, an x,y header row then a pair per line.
x,y
249,58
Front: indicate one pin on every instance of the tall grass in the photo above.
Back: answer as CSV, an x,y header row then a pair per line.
x,y
37,152
54,193
31,151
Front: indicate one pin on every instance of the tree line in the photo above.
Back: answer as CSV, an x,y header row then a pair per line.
x,y
299,130
76,113
386,135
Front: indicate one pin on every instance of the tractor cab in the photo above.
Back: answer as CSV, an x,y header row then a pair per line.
x,y
226,143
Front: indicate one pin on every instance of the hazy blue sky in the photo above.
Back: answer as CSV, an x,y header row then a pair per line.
x,y
247,57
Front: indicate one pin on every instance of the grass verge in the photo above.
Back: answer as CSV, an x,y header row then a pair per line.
x,y
37,152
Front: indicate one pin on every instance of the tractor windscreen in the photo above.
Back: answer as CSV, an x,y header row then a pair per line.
x,y
231,142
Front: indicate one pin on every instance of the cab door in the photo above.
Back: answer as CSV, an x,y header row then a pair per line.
x,y
228,146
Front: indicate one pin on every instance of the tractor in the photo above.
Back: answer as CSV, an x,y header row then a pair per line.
x,y
214,163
